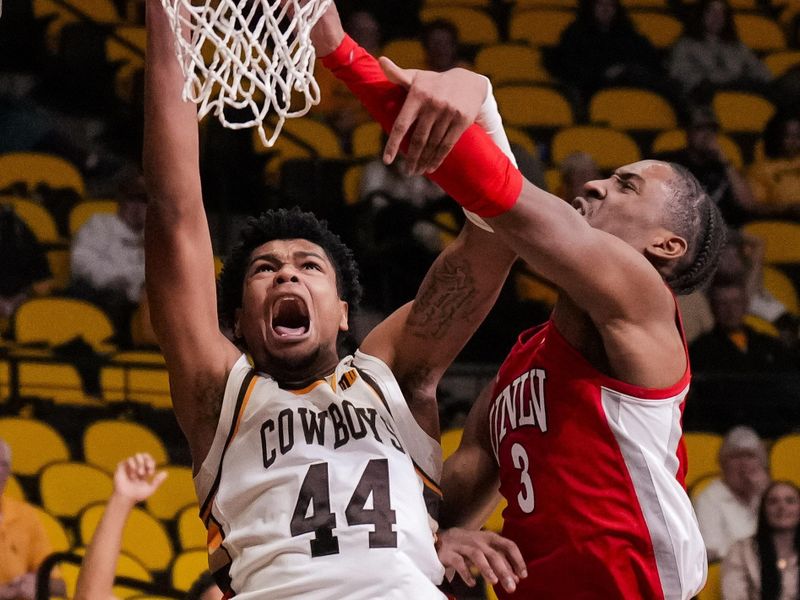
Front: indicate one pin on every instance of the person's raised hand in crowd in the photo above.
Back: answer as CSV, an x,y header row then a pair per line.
x,y
136,479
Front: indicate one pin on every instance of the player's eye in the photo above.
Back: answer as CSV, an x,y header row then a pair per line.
x,y
264,268
312,266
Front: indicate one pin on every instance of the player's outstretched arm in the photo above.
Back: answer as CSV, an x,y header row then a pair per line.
x,y
135,480
178,256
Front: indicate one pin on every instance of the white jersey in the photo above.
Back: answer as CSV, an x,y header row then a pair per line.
x,y
318,493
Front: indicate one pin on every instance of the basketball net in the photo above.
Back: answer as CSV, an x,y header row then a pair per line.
x,y
245,59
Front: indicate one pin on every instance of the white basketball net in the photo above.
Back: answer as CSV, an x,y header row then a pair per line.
x,y
248,55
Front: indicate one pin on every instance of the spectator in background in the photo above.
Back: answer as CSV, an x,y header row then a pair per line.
x,y
776,177
710,56
726,509
107,258
397,231
23,542
440,41
765,566
576,170
733,346
602,48
135,480
703,156
24,270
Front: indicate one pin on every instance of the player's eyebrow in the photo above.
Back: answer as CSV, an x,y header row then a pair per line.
x,y
271,257
628,176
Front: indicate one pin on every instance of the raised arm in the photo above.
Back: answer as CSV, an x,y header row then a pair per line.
x,y
604,276
135,480
178,255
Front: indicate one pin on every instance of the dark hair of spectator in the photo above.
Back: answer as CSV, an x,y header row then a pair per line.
x,y
620,23
439,25
696,27
285,224
774,132
770,576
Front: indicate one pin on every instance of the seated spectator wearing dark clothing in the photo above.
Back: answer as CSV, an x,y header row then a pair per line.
x,y
602,48
732,346
705,159
24,270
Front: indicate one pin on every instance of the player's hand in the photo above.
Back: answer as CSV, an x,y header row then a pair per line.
x,y
136,479
439,108
496,558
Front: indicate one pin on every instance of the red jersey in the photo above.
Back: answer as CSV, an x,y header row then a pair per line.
x,y
592,469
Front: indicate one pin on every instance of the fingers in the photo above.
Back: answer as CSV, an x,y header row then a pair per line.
x,y
140,466
158,479
403,77
455,129
402,124
453,560
421,139
427,160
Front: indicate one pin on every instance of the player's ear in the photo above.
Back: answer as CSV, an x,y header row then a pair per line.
x,y
344,324
667,246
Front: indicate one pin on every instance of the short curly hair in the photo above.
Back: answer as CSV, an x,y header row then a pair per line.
x,y
284,224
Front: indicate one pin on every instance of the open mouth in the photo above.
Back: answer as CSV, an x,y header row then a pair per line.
x,y
290,317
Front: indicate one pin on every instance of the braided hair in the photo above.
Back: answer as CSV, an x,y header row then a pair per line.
x,y
693,215
284,224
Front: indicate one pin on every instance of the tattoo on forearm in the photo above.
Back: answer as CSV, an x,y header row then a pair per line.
x,y
447,295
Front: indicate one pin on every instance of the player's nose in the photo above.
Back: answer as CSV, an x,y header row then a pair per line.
x,y
596,188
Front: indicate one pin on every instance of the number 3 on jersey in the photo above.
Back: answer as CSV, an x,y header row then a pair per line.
x,y
315,494
521,462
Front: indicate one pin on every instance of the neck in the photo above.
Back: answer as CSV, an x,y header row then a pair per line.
x,y
299,375
784,542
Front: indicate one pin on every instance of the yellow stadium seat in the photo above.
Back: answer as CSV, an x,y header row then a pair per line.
x,y
608,147
489,590
511,63
34,168
60,383
59,267
702,450
553,180
713,588
783,458
472,3
187,567
36,217
523,5
191,531
300,138
126,45
631,108
761,325
140,384
56,534
33,444
366,140
106,443
58,14
532,106
742,111
83,211
675,139
539,27
450,441
139,357
495,520
176,492
782,288
144,537
782,240
660,28
518,136
351,184
781,61
13,488
475,27
5,374
57,320
648,4
758,32
67,488
409,54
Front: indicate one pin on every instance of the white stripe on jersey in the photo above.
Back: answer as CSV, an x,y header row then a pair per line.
x,y
652,463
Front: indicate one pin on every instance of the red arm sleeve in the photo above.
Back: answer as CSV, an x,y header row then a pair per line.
x,y
476,173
